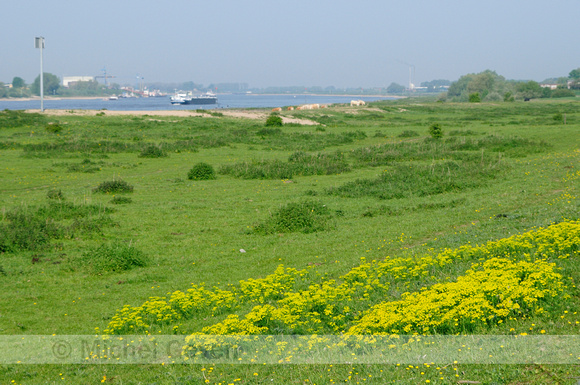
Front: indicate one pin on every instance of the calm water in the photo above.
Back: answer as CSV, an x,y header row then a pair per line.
x,y
162,103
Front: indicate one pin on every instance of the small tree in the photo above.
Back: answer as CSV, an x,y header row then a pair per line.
x,y
274,121
201,171
436,131
474,97
18,82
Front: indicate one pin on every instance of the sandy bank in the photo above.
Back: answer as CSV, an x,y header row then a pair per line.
x,y
233,113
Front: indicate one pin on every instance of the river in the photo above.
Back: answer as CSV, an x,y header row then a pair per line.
x,y
162,103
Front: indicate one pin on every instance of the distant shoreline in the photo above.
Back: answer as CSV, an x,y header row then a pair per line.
x,y
37,98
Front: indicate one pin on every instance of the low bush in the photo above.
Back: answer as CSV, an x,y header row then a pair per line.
x,y
408,134
54,128
201,171
114,186
114,257
436,131
121,200
54,194
274,121
152,151
305,217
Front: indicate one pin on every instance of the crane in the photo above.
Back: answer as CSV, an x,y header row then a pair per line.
x,y
104,76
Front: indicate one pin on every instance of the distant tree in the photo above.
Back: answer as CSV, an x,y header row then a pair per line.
x,y
3,92
529,90
18,82
474,97
51,84
395,88
563,93
508,97
434,85
575,74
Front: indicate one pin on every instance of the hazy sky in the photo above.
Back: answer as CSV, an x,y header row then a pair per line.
x,y
356,43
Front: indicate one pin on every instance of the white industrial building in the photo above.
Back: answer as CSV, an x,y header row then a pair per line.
x,y
66,80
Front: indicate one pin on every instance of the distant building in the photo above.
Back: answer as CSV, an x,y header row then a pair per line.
x,y
550,86
67,80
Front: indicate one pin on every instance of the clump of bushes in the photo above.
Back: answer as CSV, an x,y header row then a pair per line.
x,y
54,194
114,257
152,151
121,200
201,171
26,231
274,121
114,186
306,217
436,131
408,134
54,128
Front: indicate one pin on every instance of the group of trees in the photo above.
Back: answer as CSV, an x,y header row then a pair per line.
x,y
52,86
489,86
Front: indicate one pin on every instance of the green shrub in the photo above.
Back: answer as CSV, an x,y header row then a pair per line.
x,y
54,194
54,128
113,257
563,93
408,134
474,97
26,231
201,171
114,186
274,121
152,151
508,97
436,131
121,200
305,217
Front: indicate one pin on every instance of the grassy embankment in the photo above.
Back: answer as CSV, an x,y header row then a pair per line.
x,y
366,183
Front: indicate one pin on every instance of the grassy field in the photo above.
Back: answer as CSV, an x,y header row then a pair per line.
x,y
299,230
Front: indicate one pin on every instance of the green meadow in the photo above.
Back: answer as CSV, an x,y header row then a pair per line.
x,y
100,212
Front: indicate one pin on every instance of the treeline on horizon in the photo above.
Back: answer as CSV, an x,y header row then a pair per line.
x,y
483,86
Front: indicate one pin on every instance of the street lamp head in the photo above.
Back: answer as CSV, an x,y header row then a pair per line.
x,y
39,42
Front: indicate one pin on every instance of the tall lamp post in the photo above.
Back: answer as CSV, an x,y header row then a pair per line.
x,y
39,43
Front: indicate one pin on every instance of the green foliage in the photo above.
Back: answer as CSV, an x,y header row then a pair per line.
x,y
51,84
53,128
33,229
408,134
395,88
508,97
201,171
436,131
152,151
15,118
118,200
575,74
114,257
299,163
55,194
24,230
114,186
274,120
417,181
18,82
474,97
306,217
563,93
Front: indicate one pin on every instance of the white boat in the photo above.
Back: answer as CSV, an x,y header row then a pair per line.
x,y
113,97
189,98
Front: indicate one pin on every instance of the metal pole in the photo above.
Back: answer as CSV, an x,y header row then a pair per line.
x,y
39,43
41,77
